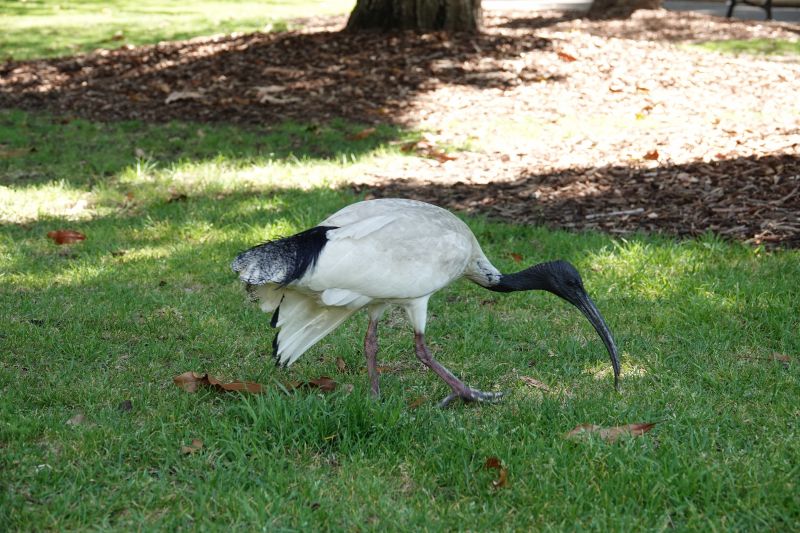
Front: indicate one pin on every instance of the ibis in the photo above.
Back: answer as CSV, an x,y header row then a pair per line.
x,y
379,253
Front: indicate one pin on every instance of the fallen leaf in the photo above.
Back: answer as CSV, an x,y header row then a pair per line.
x,y
363,134
516,257
652,155
191,381
77,420
177,96
195,446
14,152
536,383
493,462
610,434
440,156
323,383
413,404
66,236
341,365
502,479
409,146
783,358
496,464
125,406
566,57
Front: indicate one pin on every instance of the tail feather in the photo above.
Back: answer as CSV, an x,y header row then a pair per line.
x,y
303,323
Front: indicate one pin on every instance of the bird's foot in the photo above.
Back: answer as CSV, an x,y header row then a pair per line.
x,y
471,395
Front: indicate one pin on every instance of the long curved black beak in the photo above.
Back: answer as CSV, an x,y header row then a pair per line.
x,y
587,307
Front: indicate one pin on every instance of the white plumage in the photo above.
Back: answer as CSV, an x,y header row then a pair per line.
x,y
373,254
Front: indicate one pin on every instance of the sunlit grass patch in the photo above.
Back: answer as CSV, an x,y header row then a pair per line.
x,y
40,28
78,169
753,46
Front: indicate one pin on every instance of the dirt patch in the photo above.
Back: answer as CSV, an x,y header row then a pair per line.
x,y
613,125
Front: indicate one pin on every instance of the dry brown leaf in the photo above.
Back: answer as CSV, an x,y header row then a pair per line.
x,y
323,383
493,462
195,446
341,365
496,464
783,358
502,479
409,146
191,381
363,134
535,383
516,257
13,152
652,155
610,434
413,404
566,57
440,156
66,236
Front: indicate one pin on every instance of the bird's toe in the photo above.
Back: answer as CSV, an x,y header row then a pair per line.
x,y
472,395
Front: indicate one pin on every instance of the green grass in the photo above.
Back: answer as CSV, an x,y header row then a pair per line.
x,y
149,295
753,46
46,28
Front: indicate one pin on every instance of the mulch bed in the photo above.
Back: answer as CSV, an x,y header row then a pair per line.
x,y
638,131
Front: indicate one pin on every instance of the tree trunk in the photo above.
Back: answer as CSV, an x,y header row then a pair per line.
x,y
424,15
619,9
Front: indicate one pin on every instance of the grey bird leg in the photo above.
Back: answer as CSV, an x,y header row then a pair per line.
x,y
370,351
460,390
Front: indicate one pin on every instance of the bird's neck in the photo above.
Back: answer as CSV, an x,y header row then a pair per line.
x,y
536,277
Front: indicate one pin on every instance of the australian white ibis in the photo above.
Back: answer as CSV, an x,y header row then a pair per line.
x,y
384,252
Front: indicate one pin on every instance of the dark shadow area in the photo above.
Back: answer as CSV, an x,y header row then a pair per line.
x,y
655,25
43,148
536,21
264,78
753,199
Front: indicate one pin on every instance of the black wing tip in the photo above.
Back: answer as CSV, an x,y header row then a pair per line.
x,y
275,350
273,323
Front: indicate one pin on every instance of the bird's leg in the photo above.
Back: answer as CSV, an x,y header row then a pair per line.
x,y
460,390
370,351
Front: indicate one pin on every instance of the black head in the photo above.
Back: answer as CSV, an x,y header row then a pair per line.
x,y
563,280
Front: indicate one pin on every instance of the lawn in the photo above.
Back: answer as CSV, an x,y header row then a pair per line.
x,y
95,435
45,28
149,295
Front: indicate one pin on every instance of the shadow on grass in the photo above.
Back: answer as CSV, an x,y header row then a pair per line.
x,y
655,25
41,149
